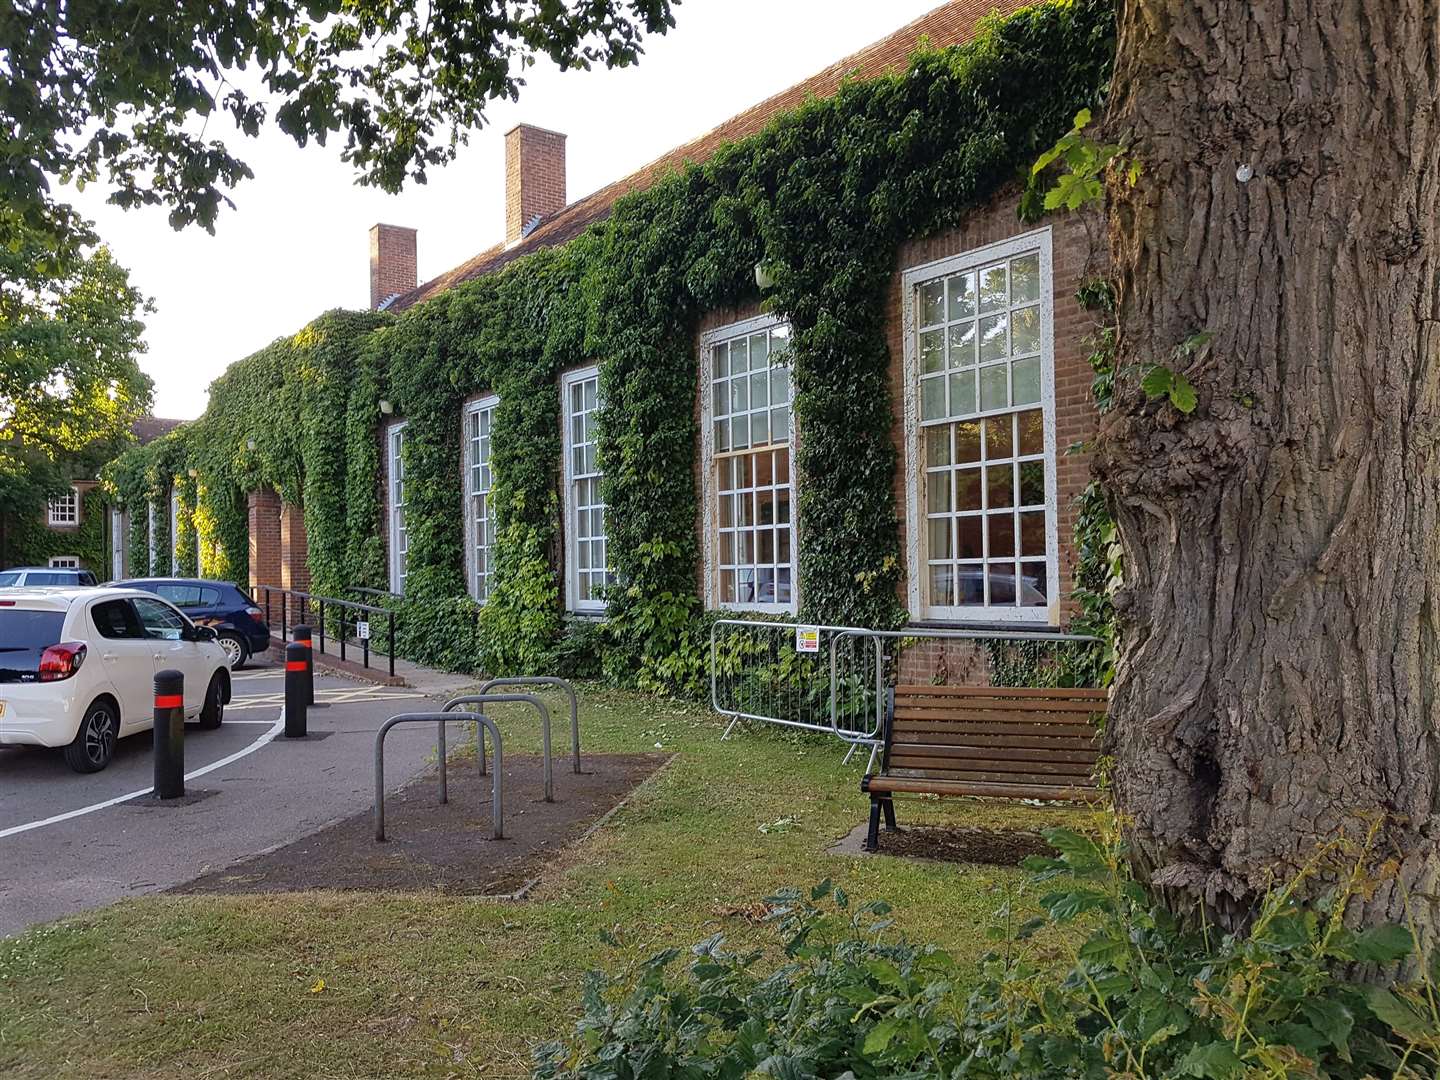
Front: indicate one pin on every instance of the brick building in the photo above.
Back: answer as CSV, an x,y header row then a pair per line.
x,y
990,392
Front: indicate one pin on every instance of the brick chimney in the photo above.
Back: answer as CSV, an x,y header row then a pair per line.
x,y
534,178
393,269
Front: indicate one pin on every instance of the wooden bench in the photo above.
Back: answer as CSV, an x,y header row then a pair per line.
x,y
999,742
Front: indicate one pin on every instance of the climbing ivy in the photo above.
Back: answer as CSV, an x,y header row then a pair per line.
x,y
31,542
824,197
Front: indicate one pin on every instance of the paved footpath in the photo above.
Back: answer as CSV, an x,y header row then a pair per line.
x,y
71,842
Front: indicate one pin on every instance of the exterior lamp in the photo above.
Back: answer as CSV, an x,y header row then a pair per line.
x,y
193,473
386,407
763,278
249,444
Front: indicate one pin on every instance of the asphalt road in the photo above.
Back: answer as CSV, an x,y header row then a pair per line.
x,y
70,842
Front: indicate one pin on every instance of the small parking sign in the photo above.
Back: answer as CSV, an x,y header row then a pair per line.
x,y
362,630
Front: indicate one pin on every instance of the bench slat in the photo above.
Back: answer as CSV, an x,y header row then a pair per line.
x,y
1000,705
905,711
1081,755
1046,792
998,743
1057,733
1073,693
943,767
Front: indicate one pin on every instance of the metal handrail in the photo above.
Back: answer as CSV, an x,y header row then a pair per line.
x,y
320,602
544,680
499,699
497,797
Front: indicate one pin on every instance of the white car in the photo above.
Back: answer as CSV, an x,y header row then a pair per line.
x,y
77,669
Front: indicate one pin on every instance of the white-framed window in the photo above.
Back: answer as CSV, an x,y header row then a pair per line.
x,y
64,562
119,541
587,567
399,535
479,514
747,447
65,509
980,435
174,532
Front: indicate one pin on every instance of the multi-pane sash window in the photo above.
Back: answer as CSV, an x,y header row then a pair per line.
x,y
174,531
479,419
753,556
399,536
589,567
65,509
982,359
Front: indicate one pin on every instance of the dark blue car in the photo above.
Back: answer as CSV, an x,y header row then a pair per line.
x,y
238,624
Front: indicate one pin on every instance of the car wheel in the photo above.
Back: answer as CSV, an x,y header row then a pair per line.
x,y
236,654
94,744
213,711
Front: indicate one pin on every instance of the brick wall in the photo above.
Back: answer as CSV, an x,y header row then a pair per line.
x,y
534,177
294,552
393,265
264,510
1078,251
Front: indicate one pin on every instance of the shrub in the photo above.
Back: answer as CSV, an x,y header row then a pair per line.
x,y
1137,996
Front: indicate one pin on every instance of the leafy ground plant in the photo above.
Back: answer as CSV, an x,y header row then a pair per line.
x,y
1141,996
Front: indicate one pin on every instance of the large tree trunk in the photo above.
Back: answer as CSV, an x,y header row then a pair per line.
x,y
1279,620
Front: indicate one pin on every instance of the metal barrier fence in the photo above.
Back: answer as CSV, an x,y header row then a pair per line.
x,y
792,675
349,624
837,679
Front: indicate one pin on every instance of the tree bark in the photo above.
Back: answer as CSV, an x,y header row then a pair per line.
x,y
1278,678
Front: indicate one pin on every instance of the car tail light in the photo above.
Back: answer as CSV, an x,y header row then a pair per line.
x,y
61,661
254,612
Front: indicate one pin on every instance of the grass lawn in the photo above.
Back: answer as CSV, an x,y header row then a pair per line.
x,y
354,985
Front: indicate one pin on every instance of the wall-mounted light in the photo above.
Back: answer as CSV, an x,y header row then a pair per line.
x,y
386,407
763,278
249,444
192,473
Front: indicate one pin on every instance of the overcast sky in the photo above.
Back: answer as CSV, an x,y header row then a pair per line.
x,y
296,243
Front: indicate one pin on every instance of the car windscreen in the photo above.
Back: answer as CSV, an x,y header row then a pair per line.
x,y
24,635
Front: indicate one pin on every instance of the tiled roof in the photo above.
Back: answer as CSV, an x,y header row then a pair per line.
x,y
148,428
949,24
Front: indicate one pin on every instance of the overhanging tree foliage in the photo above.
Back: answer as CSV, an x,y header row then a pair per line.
x,y
70,382
123,95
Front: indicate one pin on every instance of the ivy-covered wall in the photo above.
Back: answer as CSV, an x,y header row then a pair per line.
x,y
823,197
31,542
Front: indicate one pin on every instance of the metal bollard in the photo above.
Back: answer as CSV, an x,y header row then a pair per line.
x,y
297,701
302,637
169,734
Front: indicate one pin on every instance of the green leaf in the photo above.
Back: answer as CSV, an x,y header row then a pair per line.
x,y
1182,394
1215,1060
1105,949
822,890
1382,944
1330,1017
1157,381
1403,1019
1082,119
880,1035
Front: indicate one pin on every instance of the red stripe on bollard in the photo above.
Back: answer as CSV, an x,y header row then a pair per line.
x,y
294,665
169,701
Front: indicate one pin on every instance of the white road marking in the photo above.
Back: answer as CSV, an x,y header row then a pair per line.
x,y
275,729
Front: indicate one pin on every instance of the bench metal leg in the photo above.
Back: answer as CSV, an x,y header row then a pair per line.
x,y
872,838
888,804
